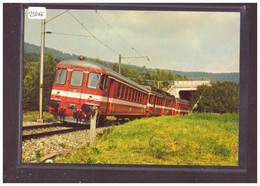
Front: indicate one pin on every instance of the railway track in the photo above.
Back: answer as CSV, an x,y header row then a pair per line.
x,y
39,131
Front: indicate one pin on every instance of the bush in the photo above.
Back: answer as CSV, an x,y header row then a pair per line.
x,y
220,97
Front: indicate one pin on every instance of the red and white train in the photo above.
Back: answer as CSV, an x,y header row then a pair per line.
x,y
80,84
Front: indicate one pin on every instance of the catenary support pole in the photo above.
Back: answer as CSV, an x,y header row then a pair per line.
x,y
119,65
41,70
195,105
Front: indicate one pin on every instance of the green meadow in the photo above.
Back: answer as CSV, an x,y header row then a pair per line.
x,y
196,139
32,116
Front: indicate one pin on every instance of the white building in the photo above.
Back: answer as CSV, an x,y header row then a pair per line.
x,y
182,89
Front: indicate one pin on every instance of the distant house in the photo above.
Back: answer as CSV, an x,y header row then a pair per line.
x,y
183,89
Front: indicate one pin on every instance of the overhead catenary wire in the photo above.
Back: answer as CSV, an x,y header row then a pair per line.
x,y
101,42
116,32
56,16
49,32
106,23
92,35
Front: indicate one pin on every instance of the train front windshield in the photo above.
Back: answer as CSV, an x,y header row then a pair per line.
x,y
61,76
93,80
76,78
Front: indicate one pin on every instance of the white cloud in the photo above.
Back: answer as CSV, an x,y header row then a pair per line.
x,y
189,41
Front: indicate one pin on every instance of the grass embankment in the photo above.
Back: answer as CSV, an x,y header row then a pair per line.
x,y
32,116
197,139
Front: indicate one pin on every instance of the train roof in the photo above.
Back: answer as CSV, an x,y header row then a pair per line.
x,y
183,101
91,64
163,94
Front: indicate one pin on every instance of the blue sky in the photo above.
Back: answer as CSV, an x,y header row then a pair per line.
x,y
175,40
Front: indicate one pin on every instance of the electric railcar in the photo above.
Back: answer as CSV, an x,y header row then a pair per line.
x,y
80,85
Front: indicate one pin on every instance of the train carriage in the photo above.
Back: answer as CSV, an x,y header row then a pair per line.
x,y
81,85
183,107
169,105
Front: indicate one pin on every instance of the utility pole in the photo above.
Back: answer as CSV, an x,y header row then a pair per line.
x,y
41,70
119,66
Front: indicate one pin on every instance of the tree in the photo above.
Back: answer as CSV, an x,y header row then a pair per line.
x,y
32,80
115,67
31,89
50,63
220,97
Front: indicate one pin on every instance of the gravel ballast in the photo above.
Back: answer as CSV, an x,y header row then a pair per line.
x,y
43,149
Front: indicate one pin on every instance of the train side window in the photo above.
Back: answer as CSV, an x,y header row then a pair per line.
x,y
76,78
61,76
93,80
126,92
130,94
151,99
123,91
134,95
118,89
103,81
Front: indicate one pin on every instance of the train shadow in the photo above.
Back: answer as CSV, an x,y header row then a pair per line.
x,y
109,121
112,121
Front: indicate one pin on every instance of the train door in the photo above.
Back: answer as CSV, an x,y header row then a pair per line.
x,y
111,90
151,104
155,105
104,90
